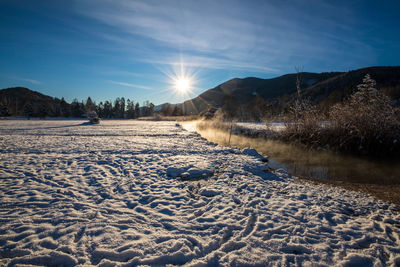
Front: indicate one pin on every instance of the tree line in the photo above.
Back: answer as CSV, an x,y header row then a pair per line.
x,y
119,109
55,107
255,110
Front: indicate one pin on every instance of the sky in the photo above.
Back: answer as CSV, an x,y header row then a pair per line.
x,y
139,49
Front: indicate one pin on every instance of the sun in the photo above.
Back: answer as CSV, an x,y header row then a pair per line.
x,y
182,80
182,84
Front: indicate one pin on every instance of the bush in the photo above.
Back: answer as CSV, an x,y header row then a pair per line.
x,y
303,124
365,124
218,122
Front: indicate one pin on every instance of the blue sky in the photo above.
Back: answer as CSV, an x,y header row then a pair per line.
x,y
135,49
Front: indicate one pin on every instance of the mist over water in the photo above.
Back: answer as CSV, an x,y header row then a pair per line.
x,y
309,163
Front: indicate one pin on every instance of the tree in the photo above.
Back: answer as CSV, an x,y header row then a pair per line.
x,y
366,121
4,110
130,109
89,106
166,110
77,109
65,108
56,107
28,110
145,111
301,106
367,107
177,111
257,109
44,110
299,71
117,108
122,108
137,110
229,107
108,109
150,109
100,109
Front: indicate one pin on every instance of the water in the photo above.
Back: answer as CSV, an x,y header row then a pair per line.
x,y
312,163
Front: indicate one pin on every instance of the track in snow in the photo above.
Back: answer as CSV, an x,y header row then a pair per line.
x,y
110,194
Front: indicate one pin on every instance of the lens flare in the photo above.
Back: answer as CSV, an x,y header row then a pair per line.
x,y
182,84
182,79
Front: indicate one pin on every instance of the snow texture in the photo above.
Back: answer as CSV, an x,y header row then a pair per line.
x,y
260,126
127,193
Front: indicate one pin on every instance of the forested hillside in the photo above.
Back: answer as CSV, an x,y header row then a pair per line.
x,y
20,101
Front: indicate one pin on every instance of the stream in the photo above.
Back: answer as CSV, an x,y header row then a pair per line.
x,y
310,163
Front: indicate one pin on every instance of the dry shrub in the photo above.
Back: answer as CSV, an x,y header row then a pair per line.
x,y
365,124
303,123
218,122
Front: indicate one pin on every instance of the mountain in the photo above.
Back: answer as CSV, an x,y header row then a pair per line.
x,y
321,88
161,107
245,90
337,88
19,101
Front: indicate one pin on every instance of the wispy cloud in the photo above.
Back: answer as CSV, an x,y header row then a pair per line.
x,y
130,85
30,81
208,62
257,36
21,79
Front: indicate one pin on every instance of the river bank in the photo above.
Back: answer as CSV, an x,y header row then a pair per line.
x,y
380,178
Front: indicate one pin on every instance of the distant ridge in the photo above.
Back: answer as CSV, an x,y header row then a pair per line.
x,y
322,88
341,86
24,94
17,100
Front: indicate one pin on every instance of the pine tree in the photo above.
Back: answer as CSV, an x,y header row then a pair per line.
x,y
366,93
89,106
367,120
108,109
122,108
130,109
368,100
76,109
65,108
100,109
117,108
137,110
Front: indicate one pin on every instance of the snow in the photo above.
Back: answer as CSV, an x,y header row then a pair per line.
x,y
259,127
126,193
252,125
251,152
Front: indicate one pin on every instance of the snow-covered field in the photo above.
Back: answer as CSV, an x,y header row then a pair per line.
x,y
126,193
